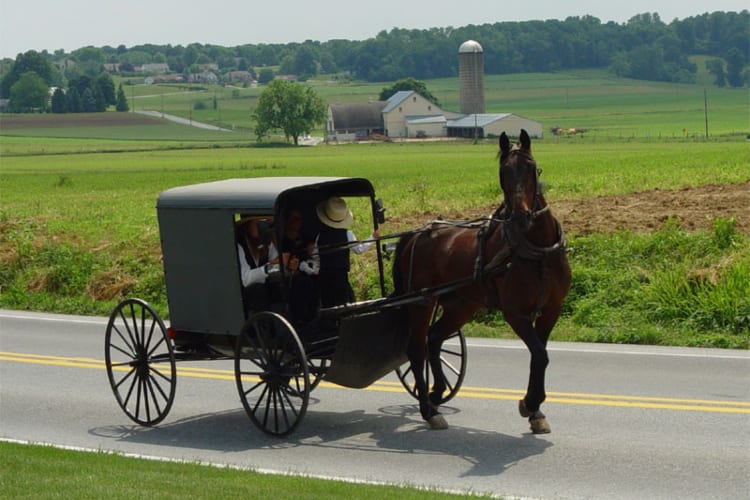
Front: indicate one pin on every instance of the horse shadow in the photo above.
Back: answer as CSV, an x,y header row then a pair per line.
x,y
396,429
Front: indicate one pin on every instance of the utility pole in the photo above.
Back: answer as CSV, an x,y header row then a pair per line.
x,y
705,109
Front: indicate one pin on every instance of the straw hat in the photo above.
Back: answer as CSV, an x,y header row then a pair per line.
x,y
334,213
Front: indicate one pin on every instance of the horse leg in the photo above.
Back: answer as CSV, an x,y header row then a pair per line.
x,y
454,316
535,394
417,352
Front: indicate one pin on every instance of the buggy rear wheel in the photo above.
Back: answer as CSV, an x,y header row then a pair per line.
x,y
272,374
452,360
140,362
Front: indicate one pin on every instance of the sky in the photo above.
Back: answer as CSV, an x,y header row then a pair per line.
x,y
72,24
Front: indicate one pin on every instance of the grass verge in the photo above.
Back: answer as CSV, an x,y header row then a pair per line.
x,y
33,471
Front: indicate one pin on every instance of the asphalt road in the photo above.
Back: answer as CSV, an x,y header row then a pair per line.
x,y
627,421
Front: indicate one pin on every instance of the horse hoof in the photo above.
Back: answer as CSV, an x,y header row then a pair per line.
x,y
540,426
525,413
437,423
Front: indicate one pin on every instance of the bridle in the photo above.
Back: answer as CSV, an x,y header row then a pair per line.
x,y
507,209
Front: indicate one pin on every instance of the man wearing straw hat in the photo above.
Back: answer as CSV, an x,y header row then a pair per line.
x,y
332,243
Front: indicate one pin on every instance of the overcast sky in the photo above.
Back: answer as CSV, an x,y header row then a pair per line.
x,y
71,24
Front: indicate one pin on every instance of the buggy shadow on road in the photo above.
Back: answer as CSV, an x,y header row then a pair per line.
x,y
392,431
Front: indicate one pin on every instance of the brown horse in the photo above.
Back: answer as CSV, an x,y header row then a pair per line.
x,y
514,262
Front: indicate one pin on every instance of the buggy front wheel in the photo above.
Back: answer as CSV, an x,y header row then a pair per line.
x,y
140,362
272,374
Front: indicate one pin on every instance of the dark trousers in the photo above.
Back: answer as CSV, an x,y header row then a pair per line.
x,y
335,289
303,298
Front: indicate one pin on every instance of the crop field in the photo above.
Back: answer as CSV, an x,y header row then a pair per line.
x,y
590,99
659,222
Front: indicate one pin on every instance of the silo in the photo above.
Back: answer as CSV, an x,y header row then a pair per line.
x,y
471,77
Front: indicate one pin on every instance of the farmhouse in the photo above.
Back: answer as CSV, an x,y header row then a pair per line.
x,y
407,114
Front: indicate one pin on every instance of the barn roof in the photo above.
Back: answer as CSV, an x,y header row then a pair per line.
x,y
397,99
482,120
358,115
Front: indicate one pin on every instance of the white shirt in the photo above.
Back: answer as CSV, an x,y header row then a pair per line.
x,y
254,274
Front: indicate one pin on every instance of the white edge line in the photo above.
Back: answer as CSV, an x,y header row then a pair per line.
x,y
254,469
619,349
477,343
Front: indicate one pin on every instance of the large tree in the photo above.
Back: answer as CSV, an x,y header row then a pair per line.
x,y
30,61
29,93
290,107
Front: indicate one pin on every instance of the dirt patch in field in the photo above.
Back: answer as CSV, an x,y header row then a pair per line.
x,y
75,120
695,208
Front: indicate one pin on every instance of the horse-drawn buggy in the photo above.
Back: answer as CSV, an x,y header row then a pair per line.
x,y
513,261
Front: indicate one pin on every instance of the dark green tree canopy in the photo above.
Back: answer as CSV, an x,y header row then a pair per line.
x,y
29,93
29,61
408,84
292,108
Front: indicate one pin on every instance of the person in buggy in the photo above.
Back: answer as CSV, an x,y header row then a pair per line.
x,y
334,243
258,259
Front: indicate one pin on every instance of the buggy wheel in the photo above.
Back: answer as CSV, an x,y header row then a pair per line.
x,y
140,362
452,360
272,374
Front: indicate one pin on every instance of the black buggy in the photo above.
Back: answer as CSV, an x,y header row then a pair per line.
x,y
276,365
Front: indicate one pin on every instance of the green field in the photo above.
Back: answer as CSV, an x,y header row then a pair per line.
x,y
79,227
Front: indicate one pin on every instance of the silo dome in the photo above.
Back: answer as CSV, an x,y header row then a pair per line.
x,y
470,47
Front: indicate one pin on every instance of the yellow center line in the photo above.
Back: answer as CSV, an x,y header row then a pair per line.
x,y
611,400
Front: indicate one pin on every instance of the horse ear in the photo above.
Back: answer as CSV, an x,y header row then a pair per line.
x,y
504,143
525,140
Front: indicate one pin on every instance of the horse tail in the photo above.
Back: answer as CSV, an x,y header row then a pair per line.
x,y
398,275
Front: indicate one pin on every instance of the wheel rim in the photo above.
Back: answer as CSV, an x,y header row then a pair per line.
x,y
272,374
140,362
453,361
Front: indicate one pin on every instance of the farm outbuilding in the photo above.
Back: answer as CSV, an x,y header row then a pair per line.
x,y
352,121
483,125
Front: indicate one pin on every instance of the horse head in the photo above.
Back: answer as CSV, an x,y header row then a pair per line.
x,y
519,180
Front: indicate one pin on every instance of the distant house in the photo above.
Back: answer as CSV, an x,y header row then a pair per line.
x,y
238,77
204,77
158,68
167,78
407,114
112,67
287,78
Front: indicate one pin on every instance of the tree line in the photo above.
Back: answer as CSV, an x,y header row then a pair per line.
x,y
643,48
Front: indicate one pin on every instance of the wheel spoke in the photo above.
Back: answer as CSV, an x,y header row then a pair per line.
x,y
453,353
155,383
160,342
151,382
130,345
131,354
450,366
